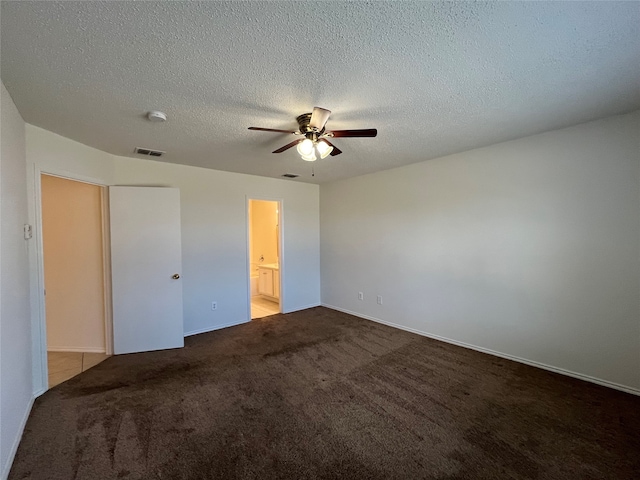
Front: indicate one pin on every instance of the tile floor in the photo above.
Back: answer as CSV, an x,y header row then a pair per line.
x,y
65,365
261,307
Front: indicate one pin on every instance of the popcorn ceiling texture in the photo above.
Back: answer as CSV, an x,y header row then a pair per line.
x,y
434,78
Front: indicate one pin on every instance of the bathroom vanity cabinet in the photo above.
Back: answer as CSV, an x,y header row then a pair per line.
x,y
269,280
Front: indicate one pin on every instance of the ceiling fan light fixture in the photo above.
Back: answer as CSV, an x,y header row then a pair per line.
x,y
309,158
305,147
323,149
315,143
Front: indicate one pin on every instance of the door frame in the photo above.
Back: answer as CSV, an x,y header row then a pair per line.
x,y
38,314
280,202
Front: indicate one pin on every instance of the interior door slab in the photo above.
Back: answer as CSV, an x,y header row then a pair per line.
x,y
146,258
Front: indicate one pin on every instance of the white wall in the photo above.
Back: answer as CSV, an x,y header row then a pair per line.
x,y
529,248
214,238
16,391
59,155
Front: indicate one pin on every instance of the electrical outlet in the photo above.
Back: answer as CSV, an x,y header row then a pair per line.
x,y
214,305
360,296
379,299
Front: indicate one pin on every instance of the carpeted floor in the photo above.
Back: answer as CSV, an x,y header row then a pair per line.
x,y
319,394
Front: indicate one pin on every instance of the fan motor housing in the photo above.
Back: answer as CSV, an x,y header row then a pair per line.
x,y
303,122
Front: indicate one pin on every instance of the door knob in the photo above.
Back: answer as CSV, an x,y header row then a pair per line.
x,y
176,276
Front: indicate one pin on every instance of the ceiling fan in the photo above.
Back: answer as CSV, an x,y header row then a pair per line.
x,y
315,137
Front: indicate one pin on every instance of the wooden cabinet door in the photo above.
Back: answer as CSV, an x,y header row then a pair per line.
x,y
265,282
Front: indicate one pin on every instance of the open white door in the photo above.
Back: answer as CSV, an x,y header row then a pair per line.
x,y
146,262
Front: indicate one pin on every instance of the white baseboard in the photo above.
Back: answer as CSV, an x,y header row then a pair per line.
x,y
304,307
14,447
233,324
76,349
215,327
544,366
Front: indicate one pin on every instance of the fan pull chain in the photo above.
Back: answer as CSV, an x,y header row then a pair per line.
x,y
313,173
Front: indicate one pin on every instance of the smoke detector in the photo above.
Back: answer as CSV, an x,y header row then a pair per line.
x,y
156,116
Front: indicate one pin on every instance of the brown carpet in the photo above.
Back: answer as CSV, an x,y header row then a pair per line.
x,y
319,394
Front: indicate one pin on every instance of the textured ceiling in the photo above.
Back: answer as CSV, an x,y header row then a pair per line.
x,y
433,78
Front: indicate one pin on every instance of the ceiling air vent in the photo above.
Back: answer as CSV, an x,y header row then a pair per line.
x,y
149,152
290,175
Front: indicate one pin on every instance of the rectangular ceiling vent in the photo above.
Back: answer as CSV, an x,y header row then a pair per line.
x,y
290,175
149,152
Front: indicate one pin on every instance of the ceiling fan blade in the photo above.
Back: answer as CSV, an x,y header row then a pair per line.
x,y
271,130
288,145
319,117
335,151
367,132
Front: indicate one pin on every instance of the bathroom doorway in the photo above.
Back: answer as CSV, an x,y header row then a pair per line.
x,y
264,257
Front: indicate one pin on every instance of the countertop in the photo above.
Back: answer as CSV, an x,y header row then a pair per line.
x,y
271,266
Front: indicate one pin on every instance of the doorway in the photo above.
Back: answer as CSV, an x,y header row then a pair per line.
x,y
264,257
73,246
137,217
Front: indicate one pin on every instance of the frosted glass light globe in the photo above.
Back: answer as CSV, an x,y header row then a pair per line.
x,y
309,158
324,149
305,147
